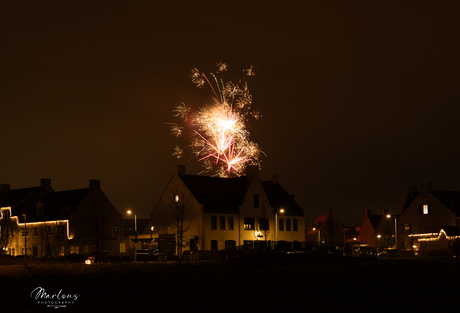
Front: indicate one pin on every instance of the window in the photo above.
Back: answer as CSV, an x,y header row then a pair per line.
x,y
256,201
295,224
248,223
213,244
425,209
60,230
288,224
230,244
407,228
117,230
74,249
281,224
263,223
213,223
222,222
24,232
230,223
35,231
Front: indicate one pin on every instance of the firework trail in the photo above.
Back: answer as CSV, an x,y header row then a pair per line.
x,y
219,138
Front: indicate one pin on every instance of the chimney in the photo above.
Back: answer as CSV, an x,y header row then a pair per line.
x,y
252,171
368,213
273,178
94,184
5,187
179,170
412,192
45,183
426,187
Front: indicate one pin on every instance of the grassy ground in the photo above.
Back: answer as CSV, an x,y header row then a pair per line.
x,y
252,283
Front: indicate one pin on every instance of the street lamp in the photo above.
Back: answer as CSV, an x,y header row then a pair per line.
x,y
151,237
396,231
276,226
135,233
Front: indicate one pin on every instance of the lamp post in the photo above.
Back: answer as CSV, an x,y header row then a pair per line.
x,y
135,233
151,237
396,231
276,226
25,240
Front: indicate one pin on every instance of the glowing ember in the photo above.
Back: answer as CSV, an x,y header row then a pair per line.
x,y
220,138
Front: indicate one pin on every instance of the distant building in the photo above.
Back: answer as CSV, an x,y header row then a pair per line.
x,y
40,222
430,220
378,230
227,213
325,231
352,234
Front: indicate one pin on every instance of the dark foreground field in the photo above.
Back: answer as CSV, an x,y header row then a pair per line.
x,y
247,284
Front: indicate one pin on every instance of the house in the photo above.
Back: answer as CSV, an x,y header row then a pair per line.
x,y
212,213
41,222
429,217
325,231
378,230
352,234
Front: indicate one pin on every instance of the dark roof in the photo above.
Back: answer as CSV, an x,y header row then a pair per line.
x,y
375,219
451,230
19,199
59,205
320,219
451,199
279,198
223,195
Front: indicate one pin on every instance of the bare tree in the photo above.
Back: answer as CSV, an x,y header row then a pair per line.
x,y
180,213
60,236
8,228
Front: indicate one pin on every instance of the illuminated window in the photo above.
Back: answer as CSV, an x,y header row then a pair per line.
x,y
74,249
295,224
281,224
248,223
222,222
213,222
230,223
425,209
407,228
288,224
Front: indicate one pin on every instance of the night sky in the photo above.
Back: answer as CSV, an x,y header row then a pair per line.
x,y
360,99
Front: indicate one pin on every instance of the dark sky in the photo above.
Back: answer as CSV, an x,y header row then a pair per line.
x,y
360,99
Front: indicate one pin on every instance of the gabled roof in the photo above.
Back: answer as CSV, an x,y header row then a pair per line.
x,y
450,199
279,198
451,231
216,194
375,219
59,205
18,199
320,219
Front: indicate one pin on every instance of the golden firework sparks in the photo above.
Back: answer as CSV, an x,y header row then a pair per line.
x,y
220,139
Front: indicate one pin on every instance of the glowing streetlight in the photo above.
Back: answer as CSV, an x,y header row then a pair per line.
x,y
135,233
396,231
276,225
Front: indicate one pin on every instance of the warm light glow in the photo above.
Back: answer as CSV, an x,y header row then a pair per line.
x,y
379,236
281,210
220,138
87,262
388,216
129,212
152,228
176,198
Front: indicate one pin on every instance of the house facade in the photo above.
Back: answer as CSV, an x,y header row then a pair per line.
x,y
378,230
43,223
325,231
212,213
428,218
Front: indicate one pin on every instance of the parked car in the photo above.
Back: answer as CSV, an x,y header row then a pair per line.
x,y
150,255
388,253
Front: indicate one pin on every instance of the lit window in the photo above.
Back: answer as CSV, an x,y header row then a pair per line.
x,y
248,223
425,209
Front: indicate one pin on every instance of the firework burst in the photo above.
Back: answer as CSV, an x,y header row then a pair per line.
x,y
219,136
